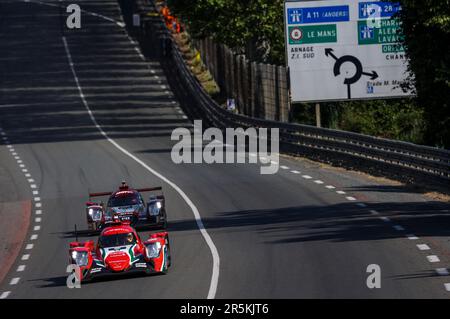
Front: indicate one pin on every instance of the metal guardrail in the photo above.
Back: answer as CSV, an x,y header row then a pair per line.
x,y
401,160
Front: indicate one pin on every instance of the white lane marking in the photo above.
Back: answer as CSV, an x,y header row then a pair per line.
x,y
37,219
19,161
361,205
38,212
16,157
5,294
318,182
295,172
21,268
35,192
398,227
14,154
284,167
215,254
27,174
33,185
350,198
442,271
385,219
412,237
25,256
447,286
21,165
306,177
423,247
37,227
30,180
14,281
29,246
374,212
330,187
340,192
38,205
9,146
34,237
433,259
37,199
184,117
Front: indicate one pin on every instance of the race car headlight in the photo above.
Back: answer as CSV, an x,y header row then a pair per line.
x,y
80,257
95,214
153,249
155,208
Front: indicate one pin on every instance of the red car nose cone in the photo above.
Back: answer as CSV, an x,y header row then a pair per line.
x,y
117,261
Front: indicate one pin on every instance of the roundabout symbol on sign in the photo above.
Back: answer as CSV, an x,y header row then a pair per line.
x,y
359,72
296,34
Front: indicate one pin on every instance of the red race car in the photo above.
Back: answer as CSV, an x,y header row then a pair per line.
x,y
129,206
120,250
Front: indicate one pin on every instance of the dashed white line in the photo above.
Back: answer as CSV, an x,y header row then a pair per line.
x,y
284,167
35,192
5,294
38,212
37,199
385,219
412,237
295,172
306,177
33,186
37,227
447,286
318,182
14,281
21,268
398,227
423,247
340,192
30,180
374,212
34,237
330,187
38,205
25,257
433,259
350,198
29,246
38,219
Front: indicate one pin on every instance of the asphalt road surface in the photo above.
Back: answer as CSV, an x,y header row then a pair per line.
x,y
306,232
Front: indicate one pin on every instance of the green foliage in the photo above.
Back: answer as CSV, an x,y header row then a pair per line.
x,y
237,23
426,25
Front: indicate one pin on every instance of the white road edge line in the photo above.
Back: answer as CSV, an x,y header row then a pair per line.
x,y
215,254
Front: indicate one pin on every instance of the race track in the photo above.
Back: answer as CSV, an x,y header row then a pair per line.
x,y
294,234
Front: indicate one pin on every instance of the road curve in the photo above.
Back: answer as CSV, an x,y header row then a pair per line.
x,y
305,232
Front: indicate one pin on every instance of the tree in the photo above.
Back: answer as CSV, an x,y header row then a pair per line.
x,y
426,26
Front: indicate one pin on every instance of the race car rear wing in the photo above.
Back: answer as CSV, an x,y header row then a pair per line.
x,y
140,190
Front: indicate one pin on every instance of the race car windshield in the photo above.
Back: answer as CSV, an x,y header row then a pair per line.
x,y
123,201
117,240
